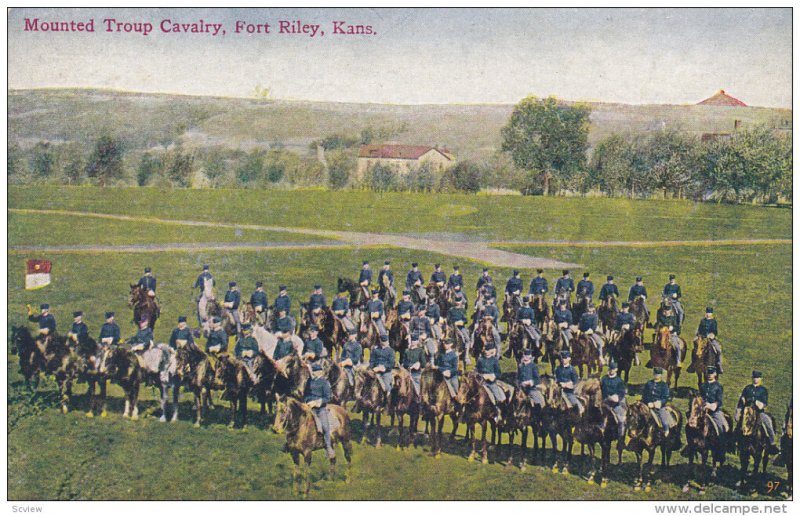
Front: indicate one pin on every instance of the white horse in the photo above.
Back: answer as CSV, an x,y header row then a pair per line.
x,y
266,340
202,303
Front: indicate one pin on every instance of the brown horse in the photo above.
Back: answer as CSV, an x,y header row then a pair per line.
x,y
404,401
703,356
662,355
553,343
31,358
584,354
337,337
341,390
519,340
645,436
143,306
598,426
89,373
63,363
519,415
623,350
215,309
558,420
607,314
703,438
195,372
371,401
398,335
484,337
121,366
541,310
231,375
510,307
639,314
439,296
476,409
302,438
753,441
436,404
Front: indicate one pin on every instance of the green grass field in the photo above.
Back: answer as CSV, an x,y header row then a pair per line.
x,y
52,456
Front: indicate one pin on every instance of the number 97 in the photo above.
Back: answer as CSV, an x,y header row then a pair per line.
x,y
773,485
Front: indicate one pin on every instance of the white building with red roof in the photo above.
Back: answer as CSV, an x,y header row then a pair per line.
x,y
402,157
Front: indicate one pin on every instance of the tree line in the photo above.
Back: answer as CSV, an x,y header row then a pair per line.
x,y
544,151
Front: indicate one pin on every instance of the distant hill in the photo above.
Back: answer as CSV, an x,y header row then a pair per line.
x,y
147,120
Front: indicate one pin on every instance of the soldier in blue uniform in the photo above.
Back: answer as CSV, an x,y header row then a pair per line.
x,y
608,291
588,325
182,335
447,363
217,341
708,330
585,288
316,395
204,276
613,390
365,278
47,323
483,279
109,332
528,378
79,332
438,277
455,279
639,290
625,319
352,353
381,361
485,293
284,347
284,323
668,319
513,286
656,395
459,295
415,360
563,319
567,378
488,366
712,394
317,300
313,348
405,308
434,314
757,395
375,311
491,312
232,299
148,282
672,291
525,316
420,323
563,288
457,318
283,301
258,300
414,281
341,309
538,285
143,339
246,350
386,286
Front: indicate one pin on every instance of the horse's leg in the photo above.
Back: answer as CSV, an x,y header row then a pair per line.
x,y
471,430
198,405
135,401
744,464
365,415
243,409
164,390
295,472
605,448
651,453
378,427
400,443
176,392
90,392
103,397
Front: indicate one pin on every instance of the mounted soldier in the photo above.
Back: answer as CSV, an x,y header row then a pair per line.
x,y
317,394
415,360
316,302
757,396
438,277
488,366
381,361
567,378
429,346
283,301
613,390
707,329
525,317
639,290
246,350
457,319
588,325
528,378
414,283
609,292
313,349
667,319
365,278
672,291
259,302
109,332
284,347
217,341
181,336
656,396
513,289
143,339
483,279
47,323
284,324
458,295
232,299
386,284
624,322
563,319
713,395
148,282
537,291
405,310
376,313
563,289
455,279
352,354
486,292
79,332
585,289
341,309
420,322
447,363
490,311
434,314
202,278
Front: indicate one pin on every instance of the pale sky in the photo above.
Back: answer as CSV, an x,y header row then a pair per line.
x,y
418,56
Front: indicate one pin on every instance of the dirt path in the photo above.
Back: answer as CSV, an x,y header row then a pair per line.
x,y
479,251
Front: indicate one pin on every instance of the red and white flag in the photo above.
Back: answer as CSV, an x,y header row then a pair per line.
x,y
37,274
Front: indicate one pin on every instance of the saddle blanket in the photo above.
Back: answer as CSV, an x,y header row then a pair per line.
x,y
333,421
506,388
672,421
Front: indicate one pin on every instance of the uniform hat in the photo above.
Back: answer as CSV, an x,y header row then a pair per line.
x,y
486,269
612,365
259,284
709,310
387,262
313,327
565,353
109,315
365,262
384,338
415,264
181,318
316,366
609,277
516,272
658,370
282,288
455,267
671,276
44,306
352,331
147,269
436,266
232,284
406,292
585,274
626,305
527,352
565,271
539,271
375,291
205,267
711,370
77,313
421,308
638,278
757,374
317,286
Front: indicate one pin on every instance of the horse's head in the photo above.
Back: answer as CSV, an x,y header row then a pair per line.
x,y
135,295
696,412
287,417
551,391
21,339
749,419
114,361
663,338
636,419
222,370
401,383
432,290
466,387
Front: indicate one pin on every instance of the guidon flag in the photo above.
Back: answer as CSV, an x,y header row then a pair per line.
x,y
37,274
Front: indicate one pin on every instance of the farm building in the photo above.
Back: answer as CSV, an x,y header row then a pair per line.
x,y
722,99
403,157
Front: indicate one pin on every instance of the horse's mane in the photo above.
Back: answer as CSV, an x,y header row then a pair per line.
x,y
590,389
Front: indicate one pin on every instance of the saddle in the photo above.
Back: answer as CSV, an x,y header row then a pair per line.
x,y
333,421
717,430
673,417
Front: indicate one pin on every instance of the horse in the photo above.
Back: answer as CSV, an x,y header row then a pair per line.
x,y
359,296
436,403
290,382
61,361
703,356
519,415
371,401
518,341
584,353
202,301
558,420
645,436
579,308
143,306
121,366
553,343
753,441
639,314
541,310
31,358
623,350
662,355
598,426
341,390
404,400
231,375
476,409
483,337
398,333
89,352
195,372
439,296
337,337
703,438
607,314
158,369
511,305
303,437
459,342
215,309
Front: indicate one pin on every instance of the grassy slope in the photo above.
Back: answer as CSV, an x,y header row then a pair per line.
x,y
106,459
489,217
470,130
45,229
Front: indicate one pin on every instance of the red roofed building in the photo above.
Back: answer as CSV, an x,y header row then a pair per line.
x,y
402,157
722,99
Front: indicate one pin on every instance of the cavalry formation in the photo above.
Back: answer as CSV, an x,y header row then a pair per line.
x,y
420,349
